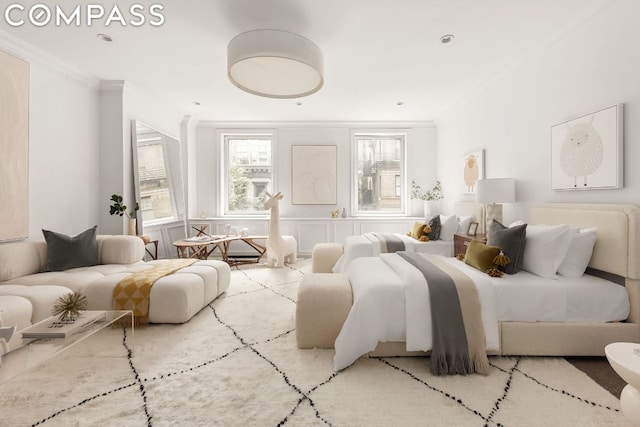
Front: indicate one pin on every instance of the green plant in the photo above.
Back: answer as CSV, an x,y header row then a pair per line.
x,y
117,208
434,194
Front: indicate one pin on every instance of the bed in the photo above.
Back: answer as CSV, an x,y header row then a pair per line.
x,y
370,244
321,314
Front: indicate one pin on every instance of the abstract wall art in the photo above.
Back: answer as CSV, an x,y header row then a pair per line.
x,y
14,148
586,152
314,174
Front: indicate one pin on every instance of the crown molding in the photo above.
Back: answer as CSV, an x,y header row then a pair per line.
x,y
315,124
31,54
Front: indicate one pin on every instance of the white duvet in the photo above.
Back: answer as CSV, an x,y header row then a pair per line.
x,y
391,303
367,245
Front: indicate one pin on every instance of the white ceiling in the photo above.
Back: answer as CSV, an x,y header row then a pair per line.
x,y
376,52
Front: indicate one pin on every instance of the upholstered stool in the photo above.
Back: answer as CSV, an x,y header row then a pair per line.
x,y
325,256
324,301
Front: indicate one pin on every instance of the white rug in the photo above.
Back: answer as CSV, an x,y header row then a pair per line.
x,y
236,363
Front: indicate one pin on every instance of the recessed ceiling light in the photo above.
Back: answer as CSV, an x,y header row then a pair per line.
x,y
399,103
446,39
196,103
105,37
298,103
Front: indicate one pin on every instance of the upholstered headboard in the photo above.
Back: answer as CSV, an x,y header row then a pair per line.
x,y
617,247
476,210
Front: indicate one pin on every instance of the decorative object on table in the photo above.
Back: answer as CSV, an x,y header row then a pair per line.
x,y
473,170
120,209
335,214
69,306
314,174
54,327
244,232
279,248
14,146
494,192
473,229
586,152
430,198
344,212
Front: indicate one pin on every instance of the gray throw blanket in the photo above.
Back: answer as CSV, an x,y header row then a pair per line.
x,y
389,242
458,335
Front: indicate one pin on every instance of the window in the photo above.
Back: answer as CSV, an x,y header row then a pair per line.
x,y
248,172
380,161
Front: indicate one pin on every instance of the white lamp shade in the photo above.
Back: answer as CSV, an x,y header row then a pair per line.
x,y
496,190
275,64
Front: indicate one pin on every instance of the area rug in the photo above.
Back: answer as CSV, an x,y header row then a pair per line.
x,y
236,364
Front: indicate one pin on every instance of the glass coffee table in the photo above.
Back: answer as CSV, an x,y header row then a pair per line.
x,y
36,351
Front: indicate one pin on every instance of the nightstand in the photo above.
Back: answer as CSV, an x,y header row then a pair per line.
x,y
461,241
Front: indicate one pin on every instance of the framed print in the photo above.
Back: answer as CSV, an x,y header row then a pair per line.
x,y
472,170
586,152
314,174
473,229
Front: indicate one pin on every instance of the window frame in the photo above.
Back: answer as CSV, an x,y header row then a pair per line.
x,y
224,137
356,135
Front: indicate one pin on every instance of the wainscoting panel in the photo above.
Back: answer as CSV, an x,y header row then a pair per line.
x,y
310,233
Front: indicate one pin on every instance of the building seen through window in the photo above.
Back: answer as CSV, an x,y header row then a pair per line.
x,y
155,196
248,172
380,169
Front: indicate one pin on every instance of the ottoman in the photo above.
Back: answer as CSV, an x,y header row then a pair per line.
x,y
324,256
324,301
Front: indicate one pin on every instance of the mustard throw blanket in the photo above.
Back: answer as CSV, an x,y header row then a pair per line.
x,y
132,293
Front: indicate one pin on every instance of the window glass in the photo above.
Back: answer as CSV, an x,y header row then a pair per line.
x,y
248,172
380,173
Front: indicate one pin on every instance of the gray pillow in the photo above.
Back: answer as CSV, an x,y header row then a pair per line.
x,y
65,252
435,225
511,240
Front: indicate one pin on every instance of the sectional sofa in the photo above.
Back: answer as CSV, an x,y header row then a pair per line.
x,y
28,292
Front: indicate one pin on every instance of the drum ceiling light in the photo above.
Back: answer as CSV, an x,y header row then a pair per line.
x,y
275,64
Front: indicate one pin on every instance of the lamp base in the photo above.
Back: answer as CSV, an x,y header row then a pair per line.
x,y
492,211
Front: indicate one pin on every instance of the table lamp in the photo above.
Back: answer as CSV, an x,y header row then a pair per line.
x,y
494,192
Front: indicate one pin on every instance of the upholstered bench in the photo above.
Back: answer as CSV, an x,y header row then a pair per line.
x,y
324,301
324,256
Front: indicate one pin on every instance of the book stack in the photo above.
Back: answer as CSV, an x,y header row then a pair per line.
x,y
53,327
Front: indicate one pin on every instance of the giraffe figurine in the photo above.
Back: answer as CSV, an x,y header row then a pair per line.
x,y
279,248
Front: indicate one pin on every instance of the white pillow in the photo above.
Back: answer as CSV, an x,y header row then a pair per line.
x,y
448,227
545,248
579,253
463,224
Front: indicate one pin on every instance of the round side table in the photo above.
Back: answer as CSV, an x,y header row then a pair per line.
x,y
626,363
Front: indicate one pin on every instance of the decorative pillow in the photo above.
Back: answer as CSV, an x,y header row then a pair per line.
x,y
417,230
512,240
434,223
545,249
481,256
579,254
463,224
65,252
449,227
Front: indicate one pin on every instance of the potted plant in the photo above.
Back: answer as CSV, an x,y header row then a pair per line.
x,y
118,208
430,197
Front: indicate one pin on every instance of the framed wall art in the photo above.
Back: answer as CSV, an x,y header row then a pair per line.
x,y
472,170
314,174
14,148
586,152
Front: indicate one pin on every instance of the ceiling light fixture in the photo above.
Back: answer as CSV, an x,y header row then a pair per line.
x,y
275,64
104,37
446,39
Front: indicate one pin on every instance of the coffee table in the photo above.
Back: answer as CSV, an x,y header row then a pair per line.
x,y
198,247
624,358
36,351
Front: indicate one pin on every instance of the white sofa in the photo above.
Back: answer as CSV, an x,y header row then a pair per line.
x,y
27,293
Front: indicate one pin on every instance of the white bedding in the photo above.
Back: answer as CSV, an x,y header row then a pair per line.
x,y
384,286
367,245
391,303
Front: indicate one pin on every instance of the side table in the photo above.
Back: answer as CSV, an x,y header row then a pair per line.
x,y
461,242
626,362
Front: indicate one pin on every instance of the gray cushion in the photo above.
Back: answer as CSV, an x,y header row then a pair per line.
x,y
511,240
435,225
65,252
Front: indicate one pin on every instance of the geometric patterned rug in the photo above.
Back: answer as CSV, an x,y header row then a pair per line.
x,y
236,363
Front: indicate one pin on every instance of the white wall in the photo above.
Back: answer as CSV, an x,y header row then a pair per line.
x,y
63,144
421,162
596,65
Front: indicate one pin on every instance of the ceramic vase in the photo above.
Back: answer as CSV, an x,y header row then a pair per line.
x,y
132,227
